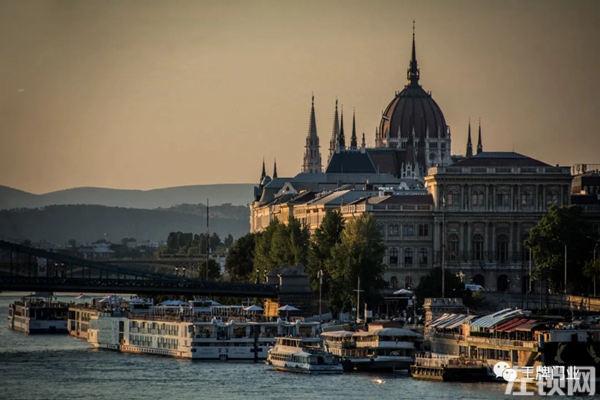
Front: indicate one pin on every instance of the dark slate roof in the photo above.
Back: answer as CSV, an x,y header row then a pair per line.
x,y
387,160
500,159
355,162
405,199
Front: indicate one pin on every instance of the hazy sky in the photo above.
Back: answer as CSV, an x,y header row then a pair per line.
x,y
143,94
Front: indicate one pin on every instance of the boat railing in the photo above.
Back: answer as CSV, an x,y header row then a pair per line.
x,y
444,360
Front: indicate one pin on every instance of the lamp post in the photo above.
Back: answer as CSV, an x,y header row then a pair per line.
x,y
594,261
443,247
565,268
320,276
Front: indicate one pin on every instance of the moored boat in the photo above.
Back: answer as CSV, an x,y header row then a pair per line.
x,y
32,315
303,355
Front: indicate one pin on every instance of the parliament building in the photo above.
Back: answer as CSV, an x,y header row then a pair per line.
x,y
471,212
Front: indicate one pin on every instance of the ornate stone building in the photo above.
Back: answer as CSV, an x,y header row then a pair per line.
x,y
472,212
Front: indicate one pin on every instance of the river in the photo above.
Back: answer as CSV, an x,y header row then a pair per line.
x,y
61,367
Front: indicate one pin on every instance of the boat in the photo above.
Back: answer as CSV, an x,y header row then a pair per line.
x,y
302,355
515,337
32,315
177,330
382,347
450,369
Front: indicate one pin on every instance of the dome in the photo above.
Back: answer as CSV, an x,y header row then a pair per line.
x,y
412,108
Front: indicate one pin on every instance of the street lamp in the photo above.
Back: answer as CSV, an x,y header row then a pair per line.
x,y
443,247
320,276
593,265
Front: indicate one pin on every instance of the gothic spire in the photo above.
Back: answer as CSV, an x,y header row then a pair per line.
x,y
341,138
479,143
363,143
335,131
353,139
413,70
274,168
312,156
264,171
469,144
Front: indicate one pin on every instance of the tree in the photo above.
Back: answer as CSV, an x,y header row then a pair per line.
x,y
240,259
358,254
322,243
214,270
560,227
431,285
280,245
228,241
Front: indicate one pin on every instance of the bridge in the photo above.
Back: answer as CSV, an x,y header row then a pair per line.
x,y
24,268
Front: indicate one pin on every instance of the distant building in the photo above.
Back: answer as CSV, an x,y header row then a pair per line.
x,y
473,210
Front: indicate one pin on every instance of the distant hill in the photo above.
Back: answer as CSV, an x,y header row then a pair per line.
x,y
236,194
87,223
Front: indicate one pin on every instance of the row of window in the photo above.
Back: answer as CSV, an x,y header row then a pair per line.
x,y
408,230
477,247
422,256
502,198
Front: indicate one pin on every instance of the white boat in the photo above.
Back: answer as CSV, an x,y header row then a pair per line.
x,y
32,315
304,355
179,336
378,348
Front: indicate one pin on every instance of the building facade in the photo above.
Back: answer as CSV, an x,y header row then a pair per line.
x,y
469,212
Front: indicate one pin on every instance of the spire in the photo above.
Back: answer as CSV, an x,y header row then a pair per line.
x,y
479,143
264,171
312,131
274,168
353,139
413,70
312,156
363,143
469,144
341,138
335,131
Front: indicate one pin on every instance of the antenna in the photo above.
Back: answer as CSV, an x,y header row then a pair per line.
x,y
207,236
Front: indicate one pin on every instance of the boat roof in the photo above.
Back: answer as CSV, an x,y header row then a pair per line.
x,y
337,334
491,320
387,332
451,321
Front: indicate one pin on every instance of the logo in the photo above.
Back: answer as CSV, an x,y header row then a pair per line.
x,y
547,380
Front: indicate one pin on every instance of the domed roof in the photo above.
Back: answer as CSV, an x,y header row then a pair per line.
x,y
412,108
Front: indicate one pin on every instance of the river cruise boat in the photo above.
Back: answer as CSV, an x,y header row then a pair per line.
x,y
32,315
179,335
515,337
380,348
450,369
304,355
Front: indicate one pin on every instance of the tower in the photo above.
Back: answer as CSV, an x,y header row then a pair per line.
x,y
275,169
353,139
469,144
479,143
334,133
312,156
341,143
264,172
363,143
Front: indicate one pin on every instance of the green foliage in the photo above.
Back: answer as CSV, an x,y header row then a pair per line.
x,y
280,245
191,244
358,254
228,241
560,227
240,259
431,285
322,243
214,271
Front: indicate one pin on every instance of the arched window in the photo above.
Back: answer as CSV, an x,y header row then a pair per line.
x,y
394,229
478,280
393,256
503,283
477,247
502,248
453,246
408,257
394,282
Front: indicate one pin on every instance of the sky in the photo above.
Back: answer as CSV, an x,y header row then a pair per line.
x,y
147,94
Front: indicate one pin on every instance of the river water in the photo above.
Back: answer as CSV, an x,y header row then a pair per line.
x,y
61,367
